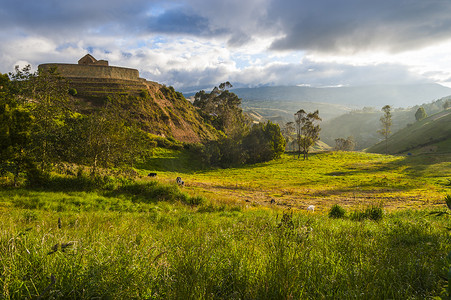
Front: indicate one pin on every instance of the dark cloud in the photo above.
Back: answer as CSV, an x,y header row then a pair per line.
x,y
354,25
178,21
53,18
344,26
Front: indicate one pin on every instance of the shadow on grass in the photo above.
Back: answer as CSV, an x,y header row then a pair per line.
x,y
145,192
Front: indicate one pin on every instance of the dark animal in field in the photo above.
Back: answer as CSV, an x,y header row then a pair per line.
x,y
152,174
180,181
273,201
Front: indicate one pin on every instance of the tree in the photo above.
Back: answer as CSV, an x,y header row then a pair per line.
x,y
264,142
307,129
447,104
386,122
420,114
222,109
46,93
287,132
342,144
15,132
103,139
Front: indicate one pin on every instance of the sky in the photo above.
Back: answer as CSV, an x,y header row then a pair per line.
x,y
197,44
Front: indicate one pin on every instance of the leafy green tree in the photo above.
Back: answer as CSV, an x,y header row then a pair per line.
x,y
103,139
307,129
288,133
46,93
15,132
386,122
264,142
222,109
420,114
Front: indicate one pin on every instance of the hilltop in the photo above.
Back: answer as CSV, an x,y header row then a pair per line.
x,y
160,110
430,135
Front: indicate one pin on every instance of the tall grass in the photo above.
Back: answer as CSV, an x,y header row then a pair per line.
x,y
121,239
171,251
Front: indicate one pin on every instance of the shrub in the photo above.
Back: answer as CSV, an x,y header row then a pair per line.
x,y
337,212
73,92
448,201
374,213
143,93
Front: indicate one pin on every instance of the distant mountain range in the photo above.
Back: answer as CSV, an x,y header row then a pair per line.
x,y
361,96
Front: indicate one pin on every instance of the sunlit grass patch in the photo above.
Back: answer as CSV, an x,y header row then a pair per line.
x,y
347,177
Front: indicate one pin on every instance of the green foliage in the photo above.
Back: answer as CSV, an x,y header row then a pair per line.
x,y
103,139
16,131
373,212
420,114
222,109
307,129
386,122
73,92
144,94
448,201
337,212
263,142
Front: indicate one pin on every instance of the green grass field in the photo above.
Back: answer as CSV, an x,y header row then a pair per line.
x,y
151,239
350,179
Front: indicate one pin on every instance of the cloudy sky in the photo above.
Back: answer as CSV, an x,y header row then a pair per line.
x,y
193,44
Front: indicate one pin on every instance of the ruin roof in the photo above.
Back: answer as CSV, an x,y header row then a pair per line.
x,y
88,59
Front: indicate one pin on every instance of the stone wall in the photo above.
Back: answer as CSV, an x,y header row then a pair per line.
x,y
93,71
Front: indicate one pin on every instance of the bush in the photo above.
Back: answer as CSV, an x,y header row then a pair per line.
x,y
143,93
448,201
337,212
73,92
374,213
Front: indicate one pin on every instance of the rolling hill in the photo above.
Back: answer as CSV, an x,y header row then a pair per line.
x,y
363,124
430,135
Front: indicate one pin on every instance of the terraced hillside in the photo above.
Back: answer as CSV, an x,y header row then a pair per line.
x,y
160,110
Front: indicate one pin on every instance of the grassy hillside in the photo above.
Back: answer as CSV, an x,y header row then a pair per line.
x,y
119,239
159,110
431,135
363,126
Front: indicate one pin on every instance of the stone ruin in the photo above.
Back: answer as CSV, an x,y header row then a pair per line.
x,y
94,78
